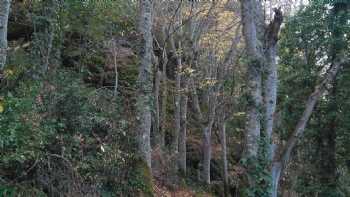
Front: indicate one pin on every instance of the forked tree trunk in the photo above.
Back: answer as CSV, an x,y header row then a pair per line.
x,y
207,149
144,82
4,15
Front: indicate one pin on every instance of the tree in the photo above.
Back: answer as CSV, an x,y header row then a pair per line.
x,y
321,140
144,82
4,15
261,42
261,45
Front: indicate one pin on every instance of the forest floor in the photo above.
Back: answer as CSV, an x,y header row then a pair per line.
x,y
162,191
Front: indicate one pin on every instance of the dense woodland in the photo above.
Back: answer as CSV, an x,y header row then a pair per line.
x,y
175,98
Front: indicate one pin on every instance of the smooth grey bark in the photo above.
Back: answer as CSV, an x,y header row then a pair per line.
x,y
206,153
163,113
207,149
266,57
206,143
270,91
253,124
156,126
4,16
261,41
206,127
183,130
222,129
144,82
270,83
175,142
270,95
261,44
276,171
249,13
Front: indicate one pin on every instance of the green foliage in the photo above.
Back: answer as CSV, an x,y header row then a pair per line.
x,y
309,41
259,173
57,135
63,117
20,137
99,19
16,191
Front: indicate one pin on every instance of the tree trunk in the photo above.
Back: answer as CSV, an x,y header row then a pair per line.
x,y
175,142
4,15
249,13
253,114
206,153
222,128
327,136
276,170
144,82
207,134
183,131
163,114
298,132
270,97
337,62
156,126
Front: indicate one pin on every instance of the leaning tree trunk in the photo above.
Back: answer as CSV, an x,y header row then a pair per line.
x,y
282,160
328,135
4,15
144,82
